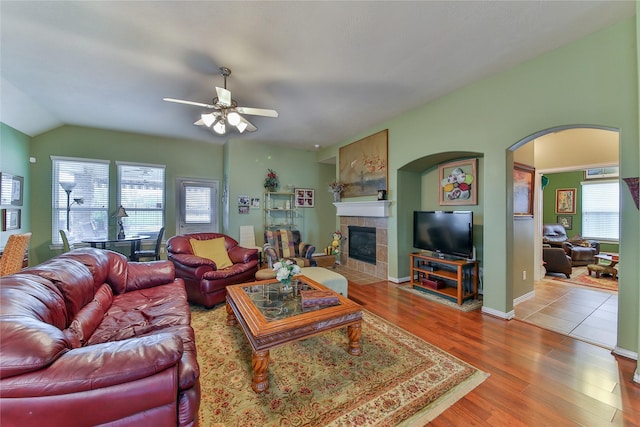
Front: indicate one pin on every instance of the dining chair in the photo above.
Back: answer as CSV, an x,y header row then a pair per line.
x,y
248,240
66,241
149,253
14,252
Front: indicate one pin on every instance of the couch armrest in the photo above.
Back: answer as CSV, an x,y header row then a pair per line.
x,y
192,260
98,366
240,255
307,250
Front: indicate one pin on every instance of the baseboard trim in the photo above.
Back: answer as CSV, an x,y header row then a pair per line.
x,y
500,314
626,353
524,297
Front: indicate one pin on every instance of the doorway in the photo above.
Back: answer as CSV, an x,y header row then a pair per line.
x,y
587,314
197,206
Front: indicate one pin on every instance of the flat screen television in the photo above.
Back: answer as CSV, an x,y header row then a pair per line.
x,y
444,232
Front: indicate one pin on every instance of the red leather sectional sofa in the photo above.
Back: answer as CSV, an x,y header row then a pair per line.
x,y
88,338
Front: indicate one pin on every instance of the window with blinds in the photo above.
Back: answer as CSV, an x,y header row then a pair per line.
x,y
197,204
141,193
80,195
601,210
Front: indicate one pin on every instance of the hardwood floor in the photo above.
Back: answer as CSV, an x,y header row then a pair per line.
x,y
537,377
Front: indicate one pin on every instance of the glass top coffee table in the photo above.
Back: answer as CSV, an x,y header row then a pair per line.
x,y
271,316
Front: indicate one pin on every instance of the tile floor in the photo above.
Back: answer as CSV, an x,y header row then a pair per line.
x,y
583,313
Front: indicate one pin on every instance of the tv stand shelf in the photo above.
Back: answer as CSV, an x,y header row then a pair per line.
x,y
461,273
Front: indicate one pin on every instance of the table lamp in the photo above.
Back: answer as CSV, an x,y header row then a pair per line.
x,y
120,213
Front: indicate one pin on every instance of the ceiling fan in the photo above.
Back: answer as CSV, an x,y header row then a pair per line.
x,y
226,110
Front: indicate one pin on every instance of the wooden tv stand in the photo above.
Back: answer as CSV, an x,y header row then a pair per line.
x,y
459,272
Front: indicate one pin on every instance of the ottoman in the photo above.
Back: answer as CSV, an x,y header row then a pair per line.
x,y
599,269
332,280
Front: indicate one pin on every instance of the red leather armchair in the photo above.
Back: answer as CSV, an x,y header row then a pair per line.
x,y
205,283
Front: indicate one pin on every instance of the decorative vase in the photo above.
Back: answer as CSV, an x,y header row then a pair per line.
x,y
336,196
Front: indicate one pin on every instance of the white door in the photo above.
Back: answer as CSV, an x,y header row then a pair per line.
x,y
197,206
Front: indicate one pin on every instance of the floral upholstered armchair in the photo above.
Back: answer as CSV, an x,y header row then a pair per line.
x,y
287,244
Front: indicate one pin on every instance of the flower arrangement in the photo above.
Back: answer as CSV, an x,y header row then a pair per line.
x,y
271,182
285,270
337,187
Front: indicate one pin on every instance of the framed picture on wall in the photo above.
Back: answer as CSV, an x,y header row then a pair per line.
x,y
304,198
11,219
457,183
523,177
566,221
566,201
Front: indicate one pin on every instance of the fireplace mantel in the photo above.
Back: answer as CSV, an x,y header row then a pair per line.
x,y
378,208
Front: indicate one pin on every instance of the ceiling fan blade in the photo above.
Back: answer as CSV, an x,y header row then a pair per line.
x,y
199,122
224,96
257,111
182,101
246,125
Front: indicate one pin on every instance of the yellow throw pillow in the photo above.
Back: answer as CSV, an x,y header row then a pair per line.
x,y
212,249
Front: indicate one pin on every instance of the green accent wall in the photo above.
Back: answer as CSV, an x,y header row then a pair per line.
x,y
14,160
568,180
247,168
572,85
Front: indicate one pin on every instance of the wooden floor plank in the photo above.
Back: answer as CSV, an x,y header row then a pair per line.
x,y
537,377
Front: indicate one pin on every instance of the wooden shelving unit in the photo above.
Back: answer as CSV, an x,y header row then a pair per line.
x,y
460,275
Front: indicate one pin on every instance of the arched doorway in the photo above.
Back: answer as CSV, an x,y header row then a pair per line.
x,y
549,304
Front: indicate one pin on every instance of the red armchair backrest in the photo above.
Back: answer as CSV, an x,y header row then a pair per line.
x,y
180,244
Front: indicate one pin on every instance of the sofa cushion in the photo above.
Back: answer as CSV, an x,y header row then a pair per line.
x,y
72,279
92,314
213,249
143,312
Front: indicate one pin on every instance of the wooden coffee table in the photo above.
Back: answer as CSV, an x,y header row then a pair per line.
x,y
271,317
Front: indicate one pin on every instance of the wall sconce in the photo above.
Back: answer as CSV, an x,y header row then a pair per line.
x,y
120,213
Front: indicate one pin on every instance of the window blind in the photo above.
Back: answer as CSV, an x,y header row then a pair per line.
x,y
601,210
88,200
142,194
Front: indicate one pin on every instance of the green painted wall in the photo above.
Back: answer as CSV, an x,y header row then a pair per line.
x,y
247,167
575,84
182,158
14,160
568,180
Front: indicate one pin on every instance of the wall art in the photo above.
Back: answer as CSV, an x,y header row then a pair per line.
x,y
523,177
457,183
566,201
363,165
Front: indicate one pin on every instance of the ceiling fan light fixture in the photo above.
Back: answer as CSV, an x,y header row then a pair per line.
x,y
233,118
219,127
208,119
242,126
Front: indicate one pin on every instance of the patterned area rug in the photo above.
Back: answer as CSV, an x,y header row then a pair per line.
x,y
399,379
580,276
468,305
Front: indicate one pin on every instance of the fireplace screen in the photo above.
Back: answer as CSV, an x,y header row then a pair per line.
x,y
362,244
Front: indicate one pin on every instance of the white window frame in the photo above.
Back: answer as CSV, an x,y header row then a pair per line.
x,y
131,210
80,200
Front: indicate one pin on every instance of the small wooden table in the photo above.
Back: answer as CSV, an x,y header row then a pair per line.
x,y
271,317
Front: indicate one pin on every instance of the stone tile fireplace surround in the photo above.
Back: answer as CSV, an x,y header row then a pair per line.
x,y
365,214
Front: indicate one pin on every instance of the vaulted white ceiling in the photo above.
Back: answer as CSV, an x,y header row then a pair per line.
x,y
331,69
